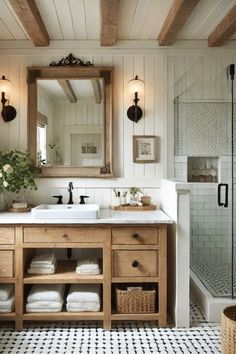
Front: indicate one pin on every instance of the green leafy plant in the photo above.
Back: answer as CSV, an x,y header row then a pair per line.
x,y
134,191
16,171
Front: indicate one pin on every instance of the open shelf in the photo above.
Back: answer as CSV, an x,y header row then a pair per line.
x,y
10,316
65,274
135,279
64,315
7,280
134,316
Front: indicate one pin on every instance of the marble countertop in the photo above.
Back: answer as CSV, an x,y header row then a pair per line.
x,y
106,216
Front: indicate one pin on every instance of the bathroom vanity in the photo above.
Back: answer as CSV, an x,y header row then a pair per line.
x,y
133,252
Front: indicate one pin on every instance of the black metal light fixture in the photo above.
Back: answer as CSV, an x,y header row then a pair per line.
x,y
8,112
135,87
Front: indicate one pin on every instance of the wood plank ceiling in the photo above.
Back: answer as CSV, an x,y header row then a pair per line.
x,y
112,20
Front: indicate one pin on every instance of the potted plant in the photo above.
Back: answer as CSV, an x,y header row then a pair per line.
x,y
16,173
134,195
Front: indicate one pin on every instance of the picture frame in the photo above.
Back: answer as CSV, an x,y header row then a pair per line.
x,y
144,148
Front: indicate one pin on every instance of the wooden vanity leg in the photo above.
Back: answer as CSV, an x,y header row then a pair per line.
x,y
163,277
107,281
19,286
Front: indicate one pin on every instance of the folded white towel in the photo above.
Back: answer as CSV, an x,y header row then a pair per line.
x,y
43,266
6,291
87,271
8,305
41,271
44,306
46,292
44,258
82,306
84,292
53,307
88,264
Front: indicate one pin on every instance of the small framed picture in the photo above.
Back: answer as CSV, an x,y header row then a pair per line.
x,y
144,148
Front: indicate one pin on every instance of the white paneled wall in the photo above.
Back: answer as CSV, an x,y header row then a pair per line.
x,y
159,69
151,69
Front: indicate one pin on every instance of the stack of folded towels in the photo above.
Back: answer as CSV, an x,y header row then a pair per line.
x,y
7,298
43,264
88,266
45,298
83,297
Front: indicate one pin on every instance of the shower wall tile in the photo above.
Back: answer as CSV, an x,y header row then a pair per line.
x,y
202,128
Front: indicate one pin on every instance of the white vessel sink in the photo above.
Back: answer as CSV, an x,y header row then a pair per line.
x,y
67,211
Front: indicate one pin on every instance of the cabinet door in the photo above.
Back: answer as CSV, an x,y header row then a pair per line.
x,y
6,264
135,263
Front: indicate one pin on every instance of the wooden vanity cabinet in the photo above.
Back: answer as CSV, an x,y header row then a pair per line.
x,y
7,263
139,256
121,246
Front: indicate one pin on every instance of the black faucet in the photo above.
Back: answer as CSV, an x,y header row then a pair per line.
x,y
70,187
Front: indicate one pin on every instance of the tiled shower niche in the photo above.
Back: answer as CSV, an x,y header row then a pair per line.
x,y
202,169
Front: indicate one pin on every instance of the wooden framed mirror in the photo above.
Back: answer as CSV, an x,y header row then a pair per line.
x,y
70,113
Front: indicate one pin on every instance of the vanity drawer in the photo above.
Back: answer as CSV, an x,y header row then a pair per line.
x,y
135,236
63,234
7,236
6,264
135,263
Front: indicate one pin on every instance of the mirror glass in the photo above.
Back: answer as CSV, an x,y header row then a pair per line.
x,y
70,122
70,113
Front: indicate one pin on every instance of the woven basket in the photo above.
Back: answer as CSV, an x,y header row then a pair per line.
x,y
228,330
135,301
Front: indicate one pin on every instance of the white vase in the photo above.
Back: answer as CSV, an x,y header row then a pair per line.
x,y
3,202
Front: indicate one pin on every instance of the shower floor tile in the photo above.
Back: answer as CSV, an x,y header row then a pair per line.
x,y
124,338
215,277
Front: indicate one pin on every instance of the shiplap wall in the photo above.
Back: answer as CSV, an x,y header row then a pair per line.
x,y
151,69
160,72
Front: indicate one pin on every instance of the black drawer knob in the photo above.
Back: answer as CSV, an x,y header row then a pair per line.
x,y
135,264
135,235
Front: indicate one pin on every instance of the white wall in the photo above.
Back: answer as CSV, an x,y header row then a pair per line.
x,y
157,67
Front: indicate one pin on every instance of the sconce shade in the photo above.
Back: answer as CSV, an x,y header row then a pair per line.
x,y
8,112
5,86
135,85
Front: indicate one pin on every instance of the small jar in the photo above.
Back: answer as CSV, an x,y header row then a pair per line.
x,y
134,200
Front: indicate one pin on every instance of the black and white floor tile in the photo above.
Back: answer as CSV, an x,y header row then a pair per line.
x,y
217,278
128,337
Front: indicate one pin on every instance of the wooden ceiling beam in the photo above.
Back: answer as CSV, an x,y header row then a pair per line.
x,y
29,15
224,30
97,92
68,90
109,21
178,15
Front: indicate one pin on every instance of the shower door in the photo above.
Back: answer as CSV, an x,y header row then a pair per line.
x,y
205,149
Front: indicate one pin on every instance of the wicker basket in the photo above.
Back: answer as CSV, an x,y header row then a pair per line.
x,y
228,330
135,301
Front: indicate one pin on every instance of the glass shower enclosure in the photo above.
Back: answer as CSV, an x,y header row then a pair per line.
x,y
205,156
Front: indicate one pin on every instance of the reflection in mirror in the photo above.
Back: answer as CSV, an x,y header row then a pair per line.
x,y
70,114
70,122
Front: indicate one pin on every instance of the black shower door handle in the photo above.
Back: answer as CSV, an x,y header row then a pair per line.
x,y
225,203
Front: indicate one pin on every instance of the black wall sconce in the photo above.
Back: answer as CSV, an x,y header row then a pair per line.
x,y
8,112
135,87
